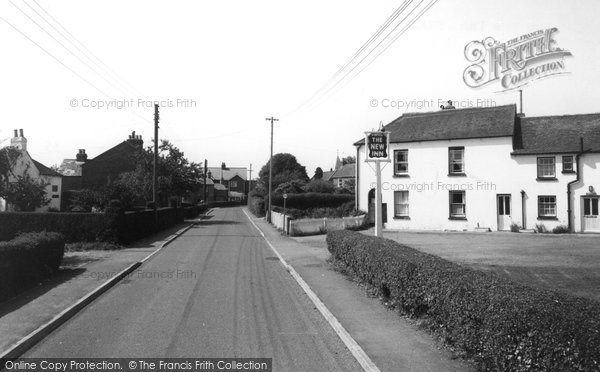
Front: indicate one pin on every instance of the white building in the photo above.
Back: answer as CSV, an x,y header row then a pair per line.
x,y
460,169
37,171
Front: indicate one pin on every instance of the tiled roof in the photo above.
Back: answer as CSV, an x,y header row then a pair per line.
x,y
70,167
346,171
558,134
228,173
218,186
44,170
483,122
327,175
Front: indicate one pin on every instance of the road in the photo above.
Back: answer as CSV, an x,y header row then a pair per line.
x,y
216,291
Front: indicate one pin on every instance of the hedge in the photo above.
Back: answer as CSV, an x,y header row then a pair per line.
x,y
92,227
257,205
312,200
74,226
499,324
28,259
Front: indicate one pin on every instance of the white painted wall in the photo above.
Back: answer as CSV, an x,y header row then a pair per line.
x,y
25,164
490,170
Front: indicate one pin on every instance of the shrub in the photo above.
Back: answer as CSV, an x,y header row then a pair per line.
x,y
515,227
313,200
561,229
344,210
92,246
319,186
73,226
257,205
501,325
541,228
28,259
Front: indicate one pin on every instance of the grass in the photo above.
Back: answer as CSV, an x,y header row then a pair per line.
x,y
92,246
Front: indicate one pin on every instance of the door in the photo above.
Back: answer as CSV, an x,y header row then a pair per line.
x,y
591,222
504,212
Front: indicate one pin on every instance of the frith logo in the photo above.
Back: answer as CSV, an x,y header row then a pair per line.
x,y
516,62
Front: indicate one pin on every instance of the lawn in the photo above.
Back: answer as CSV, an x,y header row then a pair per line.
x,y
568,263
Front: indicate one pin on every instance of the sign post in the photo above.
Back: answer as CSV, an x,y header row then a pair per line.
x,y
377,148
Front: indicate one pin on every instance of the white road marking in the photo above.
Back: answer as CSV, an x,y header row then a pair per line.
x,y
360,355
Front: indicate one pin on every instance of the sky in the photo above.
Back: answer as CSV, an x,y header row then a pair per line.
x,y
218,69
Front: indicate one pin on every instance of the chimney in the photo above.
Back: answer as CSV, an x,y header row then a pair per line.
x,y
19,141
81,156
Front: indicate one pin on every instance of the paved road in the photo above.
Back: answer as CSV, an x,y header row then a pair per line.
x,y
217,291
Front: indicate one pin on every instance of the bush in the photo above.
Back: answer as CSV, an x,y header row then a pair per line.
x,y
344,210
561,229
257,205
501,325
319,186
28,259
313,200
515,227
73,226
541,228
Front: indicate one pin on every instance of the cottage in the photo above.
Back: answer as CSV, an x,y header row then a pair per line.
x,y
37,171
464,169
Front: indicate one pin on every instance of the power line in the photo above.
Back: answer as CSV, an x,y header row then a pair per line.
x,y
107,68
419,15
65,47
371,39
54,57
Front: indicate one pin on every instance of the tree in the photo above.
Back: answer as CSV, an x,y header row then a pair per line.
x,y
318,174
26,194
291,187
8,158
348,160
285,169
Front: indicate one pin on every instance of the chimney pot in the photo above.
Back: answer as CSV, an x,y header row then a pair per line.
x,y
21,133
16,133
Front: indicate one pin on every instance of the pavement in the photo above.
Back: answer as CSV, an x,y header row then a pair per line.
x,y
219,290
81,273
393,342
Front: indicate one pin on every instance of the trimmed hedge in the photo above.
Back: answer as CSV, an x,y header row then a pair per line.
x,y
113,226
500,324
73,226
28,259
312,200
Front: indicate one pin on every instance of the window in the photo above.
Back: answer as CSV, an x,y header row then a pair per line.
x,y
340,182
54,188
54,196
456,160
568,164
401,203
547,206
400,162
233,184
546,168
457,204
590,207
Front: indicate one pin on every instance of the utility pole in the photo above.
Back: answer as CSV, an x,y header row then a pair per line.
x,y
271,119
154,178
250,179
205,185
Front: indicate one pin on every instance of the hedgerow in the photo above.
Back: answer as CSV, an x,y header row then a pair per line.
x,y
501,325
28,259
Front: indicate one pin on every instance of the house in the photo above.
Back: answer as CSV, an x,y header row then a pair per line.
x,y
37,171
344,176
99,171
464,169
232,178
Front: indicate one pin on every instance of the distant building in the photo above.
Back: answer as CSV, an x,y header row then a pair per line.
x,y
344,176
37,171
234,179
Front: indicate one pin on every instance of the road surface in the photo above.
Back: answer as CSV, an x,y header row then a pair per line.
x,y
216,291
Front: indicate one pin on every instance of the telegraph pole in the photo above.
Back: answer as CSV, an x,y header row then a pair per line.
x,y
250,179
154,178
205,185
271,119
